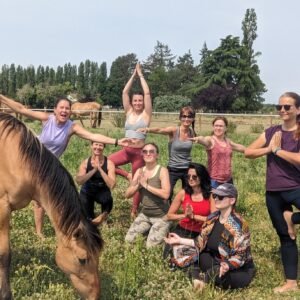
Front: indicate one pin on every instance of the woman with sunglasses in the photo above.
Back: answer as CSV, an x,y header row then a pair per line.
x,y
152,181
179,146
191,205
281,145
224,245
138,110
56,132
219,152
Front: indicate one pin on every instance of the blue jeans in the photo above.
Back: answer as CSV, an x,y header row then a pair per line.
x,y
215,183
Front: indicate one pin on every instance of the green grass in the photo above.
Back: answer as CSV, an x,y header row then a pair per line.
x,y
134,272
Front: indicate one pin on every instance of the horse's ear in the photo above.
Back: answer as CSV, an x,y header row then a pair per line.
x,y
78,234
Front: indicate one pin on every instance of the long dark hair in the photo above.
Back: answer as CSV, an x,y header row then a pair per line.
x,y
204,178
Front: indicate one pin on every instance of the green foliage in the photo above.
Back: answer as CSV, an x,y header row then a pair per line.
x,y
170,103
118,120
231,128
257,128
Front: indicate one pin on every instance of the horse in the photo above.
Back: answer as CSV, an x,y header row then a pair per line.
x,y
29,171
93,109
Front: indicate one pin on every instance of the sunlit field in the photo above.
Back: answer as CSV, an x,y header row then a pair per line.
x,y
132,271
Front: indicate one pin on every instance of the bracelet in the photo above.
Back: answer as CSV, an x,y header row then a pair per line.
x,y
116,142
276,150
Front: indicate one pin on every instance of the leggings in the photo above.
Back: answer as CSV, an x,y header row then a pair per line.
x,y
123,157
277,202
233,279
176,174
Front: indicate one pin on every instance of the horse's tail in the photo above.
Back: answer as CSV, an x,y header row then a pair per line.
x,y
99,117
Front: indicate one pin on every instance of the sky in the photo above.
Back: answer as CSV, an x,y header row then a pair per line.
x,y
55,32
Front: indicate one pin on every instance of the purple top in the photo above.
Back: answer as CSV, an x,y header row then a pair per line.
x,y
55,137
282,175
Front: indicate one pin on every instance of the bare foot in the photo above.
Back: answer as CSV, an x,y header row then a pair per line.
x,y
289,286
198,285
291,226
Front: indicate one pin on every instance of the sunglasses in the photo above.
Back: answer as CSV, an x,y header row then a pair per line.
x,y
189,177
151,151
215,196
286,107
187,117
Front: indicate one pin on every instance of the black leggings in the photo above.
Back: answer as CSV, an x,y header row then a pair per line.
x,y
176,174
233,279
277,203
103,197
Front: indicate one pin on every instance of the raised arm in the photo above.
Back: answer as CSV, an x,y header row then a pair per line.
x,y
21,109
126,91
146,90
258,148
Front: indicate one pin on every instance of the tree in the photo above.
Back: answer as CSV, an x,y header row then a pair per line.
x,y
170,103
12,83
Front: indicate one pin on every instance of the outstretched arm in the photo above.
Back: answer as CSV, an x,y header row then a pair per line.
x,y
237,147
126,90
165,131
203,140
83,133
21,109
146,90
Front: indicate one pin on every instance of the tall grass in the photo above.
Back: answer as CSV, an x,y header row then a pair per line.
x,y
134,272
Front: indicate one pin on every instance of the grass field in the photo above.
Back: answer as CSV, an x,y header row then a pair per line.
x,y
134,272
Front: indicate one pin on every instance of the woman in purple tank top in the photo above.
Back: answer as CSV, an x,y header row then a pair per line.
x,y
281,145
56,132
219,152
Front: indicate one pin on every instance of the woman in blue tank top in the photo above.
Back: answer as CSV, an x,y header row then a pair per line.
x,y
56,133
179,146
138,112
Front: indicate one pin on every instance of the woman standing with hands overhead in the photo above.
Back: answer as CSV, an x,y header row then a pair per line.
x,y
56,133
138,110
281,145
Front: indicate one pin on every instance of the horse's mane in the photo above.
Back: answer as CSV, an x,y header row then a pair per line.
x,y
52,176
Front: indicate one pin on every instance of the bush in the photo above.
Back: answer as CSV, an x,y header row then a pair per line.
x,y
170,103
118,120
231,128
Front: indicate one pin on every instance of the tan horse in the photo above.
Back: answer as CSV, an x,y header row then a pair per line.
x,y
92,109
29,171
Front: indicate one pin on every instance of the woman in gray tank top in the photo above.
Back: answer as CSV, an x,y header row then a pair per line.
x,y
56,133
180,145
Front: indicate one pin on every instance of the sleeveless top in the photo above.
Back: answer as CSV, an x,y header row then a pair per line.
x,y
199,208
219,161
282,175
152,205
55,137
96,182
130,129
180,151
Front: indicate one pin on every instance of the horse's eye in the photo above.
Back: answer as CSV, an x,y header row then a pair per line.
x,y
82,261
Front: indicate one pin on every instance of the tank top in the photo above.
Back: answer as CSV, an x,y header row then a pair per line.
x,y
282,175
55,137
131,129
152,205
180,151
96,182
199,208
219,161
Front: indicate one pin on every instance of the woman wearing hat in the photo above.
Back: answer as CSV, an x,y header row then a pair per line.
x,y
224,245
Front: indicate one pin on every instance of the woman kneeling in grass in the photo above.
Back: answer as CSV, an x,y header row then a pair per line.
x,y
153,183
224,245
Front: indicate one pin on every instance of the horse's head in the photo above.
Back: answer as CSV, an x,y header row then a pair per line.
x,y
80,263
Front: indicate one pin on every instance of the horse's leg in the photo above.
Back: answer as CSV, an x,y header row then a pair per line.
x,y
99,118
5,212
81,120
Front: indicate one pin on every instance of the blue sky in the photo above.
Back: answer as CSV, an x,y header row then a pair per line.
x,y
54,32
